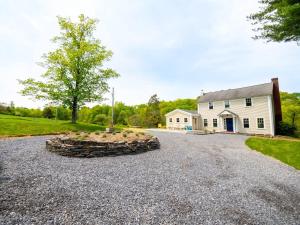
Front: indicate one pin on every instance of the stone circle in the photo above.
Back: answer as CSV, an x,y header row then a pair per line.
x,y
71,147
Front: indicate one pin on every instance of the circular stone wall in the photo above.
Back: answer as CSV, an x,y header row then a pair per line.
x,y
83,148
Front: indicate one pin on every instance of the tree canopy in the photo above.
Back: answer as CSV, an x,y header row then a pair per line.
x,y
74,71
278,20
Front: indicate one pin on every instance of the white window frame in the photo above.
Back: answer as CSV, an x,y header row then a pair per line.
x,y
260,128
244,123
204,122
228,104
177,120
214,122
212,105
246,102
225,124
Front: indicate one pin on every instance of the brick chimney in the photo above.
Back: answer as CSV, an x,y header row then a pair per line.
x,y
277,102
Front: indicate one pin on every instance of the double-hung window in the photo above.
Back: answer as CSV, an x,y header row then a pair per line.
x,y
260,123
248,102
177,120
170,120
215,122
185,120
246,122
205,124
210,105
227,105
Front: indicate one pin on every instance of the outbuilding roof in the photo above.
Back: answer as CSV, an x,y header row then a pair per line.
x,y
244,92
185,111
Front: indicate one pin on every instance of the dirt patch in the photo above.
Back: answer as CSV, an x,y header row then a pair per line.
x,y
111,137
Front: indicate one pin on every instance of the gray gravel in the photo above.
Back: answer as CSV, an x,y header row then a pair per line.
x,y
209,179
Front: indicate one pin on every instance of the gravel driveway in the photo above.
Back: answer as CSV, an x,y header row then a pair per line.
x,y
209,179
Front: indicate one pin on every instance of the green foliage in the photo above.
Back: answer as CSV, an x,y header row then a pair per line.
x,y
285,129
290,104
283,150
279,20
153,112
48,113
74,71
20,126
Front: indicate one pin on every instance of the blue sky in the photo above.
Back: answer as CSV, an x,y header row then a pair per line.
x,y
174,48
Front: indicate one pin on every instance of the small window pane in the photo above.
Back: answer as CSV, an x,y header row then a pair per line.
x,y
170,120
210,105
225,124
248,102
215,122
226,103
185,120
205,122
246,123
177,120
260,123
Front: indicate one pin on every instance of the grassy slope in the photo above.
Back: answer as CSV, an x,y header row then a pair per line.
x,y
283,150
21,126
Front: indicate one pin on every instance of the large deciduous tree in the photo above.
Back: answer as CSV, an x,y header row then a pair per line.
x,y
278,20
153,112
74,71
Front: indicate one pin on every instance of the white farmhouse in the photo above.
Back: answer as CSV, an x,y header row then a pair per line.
x,y
250,110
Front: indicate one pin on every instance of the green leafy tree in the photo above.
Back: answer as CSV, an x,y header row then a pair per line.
x,y
290,103
48,113
278,20
74,71
153,112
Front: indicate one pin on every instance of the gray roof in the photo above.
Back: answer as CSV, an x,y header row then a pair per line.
x,y
250,91
189,111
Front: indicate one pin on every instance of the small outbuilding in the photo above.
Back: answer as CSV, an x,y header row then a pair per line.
x,y
181,119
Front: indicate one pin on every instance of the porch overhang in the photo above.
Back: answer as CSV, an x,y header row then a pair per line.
x,y
227,113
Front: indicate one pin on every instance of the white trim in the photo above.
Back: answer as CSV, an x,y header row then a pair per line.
x,y
264,123
234,124
251,102
271,115
181,111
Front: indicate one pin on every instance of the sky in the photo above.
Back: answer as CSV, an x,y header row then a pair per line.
x,y
172,48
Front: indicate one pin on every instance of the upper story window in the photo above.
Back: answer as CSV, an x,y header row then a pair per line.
x,y
170,120
177,120
205,123
248,102
215,122
246,122
185,120
210,105
227,105
260,123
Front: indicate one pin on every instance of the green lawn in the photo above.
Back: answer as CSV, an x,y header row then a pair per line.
x,y
287,151
22,126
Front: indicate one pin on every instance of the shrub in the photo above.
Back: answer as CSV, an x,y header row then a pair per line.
x,y
104,135
97,133
124,135
285,129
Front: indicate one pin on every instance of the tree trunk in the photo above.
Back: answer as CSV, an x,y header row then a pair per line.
x,y
74,110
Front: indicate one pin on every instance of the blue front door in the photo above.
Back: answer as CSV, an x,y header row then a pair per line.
x,y
229,124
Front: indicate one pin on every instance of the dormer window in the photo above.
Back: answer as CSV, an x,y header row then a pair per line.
x,y
210,105
227,105
248,102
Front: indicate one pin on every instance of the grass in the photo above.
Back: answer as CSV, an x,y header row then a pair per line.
x,y
287,151
11,126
